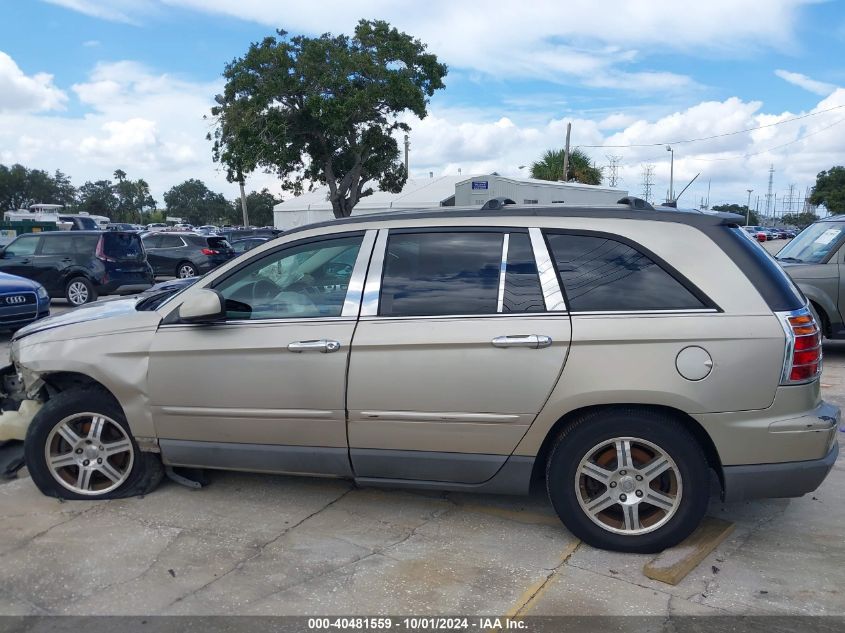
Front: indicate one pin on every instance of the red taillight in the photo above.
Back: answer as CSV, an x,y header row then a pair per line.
x,y
803,362
100,253
209,251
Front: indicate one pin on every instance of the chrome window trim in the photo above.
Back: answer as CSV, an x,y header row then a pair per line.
x,y
503,268
223,324
636,312
372,286
491,315
355,288
549,284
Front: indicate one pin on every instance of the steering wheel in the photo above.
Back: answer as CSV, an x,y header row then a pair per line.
x,y
264,289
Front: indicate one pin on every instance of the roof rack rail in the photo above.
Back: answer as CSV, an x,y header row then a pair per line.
x,y
494,204
636,203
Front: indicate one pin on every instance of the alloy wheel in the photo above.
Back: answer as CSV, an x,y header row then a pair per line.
x,y
186,270
89,453
628,485
77,293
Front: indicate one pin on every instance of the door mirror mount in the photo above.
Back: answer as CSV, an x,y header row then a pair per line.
x,y
202,306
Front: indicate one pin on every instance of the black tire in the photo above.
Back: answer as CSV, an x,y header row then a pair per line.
x,y
690,475
79,291
186,269
144,471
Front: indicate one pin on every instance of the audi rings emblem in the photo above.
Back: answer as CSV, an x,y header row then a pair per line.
x,y
15,299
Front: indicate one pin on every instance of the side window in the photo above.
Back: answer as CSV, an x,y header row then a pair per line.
x,y
22,246
522,282
58,245
429,274
602,274
309,280
152,241
171,241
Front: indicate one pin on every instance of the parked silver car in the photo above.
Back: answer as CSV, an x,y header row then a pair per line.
x,y
585,349
814,259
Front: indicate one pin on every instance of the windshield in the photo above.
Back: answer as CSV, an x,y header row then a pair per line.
x,y
814,244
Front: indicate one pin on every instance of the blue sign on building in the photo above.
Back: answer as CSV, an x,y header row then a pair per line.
x,y
479,184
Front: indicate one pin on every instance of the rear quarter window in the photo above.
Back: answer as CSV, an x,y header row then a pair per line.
x,y
123,246
602,274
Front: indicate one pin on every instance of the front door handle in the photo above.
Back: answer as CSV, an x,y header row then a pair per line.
x,y
534,341
323,345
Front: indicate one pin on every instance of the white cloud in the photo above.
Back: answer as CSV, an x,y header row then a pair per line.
x,y
807,83
91,43
19,91
562,42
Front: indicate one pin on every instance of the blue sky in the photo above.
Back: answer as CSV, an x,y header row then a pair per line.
x,y
91,86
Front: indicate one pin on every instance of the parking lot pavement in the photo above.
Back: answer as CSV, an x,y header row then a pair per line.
x,y
257,544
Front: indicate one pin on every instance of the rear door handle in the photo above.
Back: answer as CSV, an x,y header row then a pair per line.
x,y
323,345
534,341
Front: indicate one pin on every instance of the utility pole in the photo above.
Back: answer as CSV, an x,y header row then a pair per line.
x,y
613,170
748,208
769,194
566,154
671,174
243,200
648,181
407,147
707,205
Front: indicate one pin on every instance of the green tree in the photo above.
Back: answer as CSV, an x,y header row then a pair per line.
x,y
739,209
133,198
550,167
799,220
260,205
324,109
193,201
20,187
830,190
98,198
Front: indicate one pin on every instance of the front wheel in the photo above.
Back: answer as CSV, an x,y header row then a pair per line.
x,y
78,446
628,480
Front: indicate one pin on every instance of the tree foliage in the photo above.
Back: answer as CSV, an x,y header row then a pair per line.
x,y
193,201
799,220
21,187
260,205
739,209
123,201
830,190
550,167
325,109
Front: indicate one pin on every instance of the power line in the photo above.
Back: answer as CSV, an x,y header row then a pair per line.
x,y
768,149
710,138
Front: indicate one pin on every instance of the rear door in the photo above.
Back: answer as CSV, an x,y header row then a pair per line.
x,y
457,349
152,245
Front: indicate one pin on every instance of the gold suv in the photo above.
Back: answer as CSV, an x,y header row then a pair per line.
x,y
626,358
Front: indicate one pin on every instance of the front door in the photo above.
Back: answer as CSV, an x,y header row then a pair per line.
x,y
19,255
265,390
457,350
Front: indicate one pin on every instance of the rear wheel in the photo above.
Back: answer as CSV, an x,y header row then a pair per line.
x,y
185,270
78,446
80,291
628,480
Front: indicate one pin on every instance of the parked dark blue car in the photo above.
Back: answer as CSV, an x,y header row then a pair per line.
x,y
22,301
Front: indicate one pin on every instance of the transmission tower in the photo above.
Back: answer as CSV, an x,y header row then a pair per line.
x,y
648,181
769,193
613,177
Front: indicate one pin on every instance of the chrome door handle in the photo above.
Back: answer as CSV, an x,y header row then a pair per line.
x,y
323,345
534,341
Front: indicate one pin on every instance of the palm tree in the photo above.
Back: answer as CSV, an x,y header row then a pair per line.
x,y
550,167
120,175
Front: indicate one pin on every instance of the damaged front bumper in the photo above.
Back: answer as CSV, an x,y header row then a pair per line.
x,y
20,400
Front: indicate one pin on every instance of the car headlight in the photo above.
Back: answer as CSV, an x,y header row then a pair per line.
x,y
42,292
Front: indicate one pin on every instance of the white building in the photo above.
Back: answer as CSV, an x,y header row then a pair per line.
x,y
477,190
446,191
